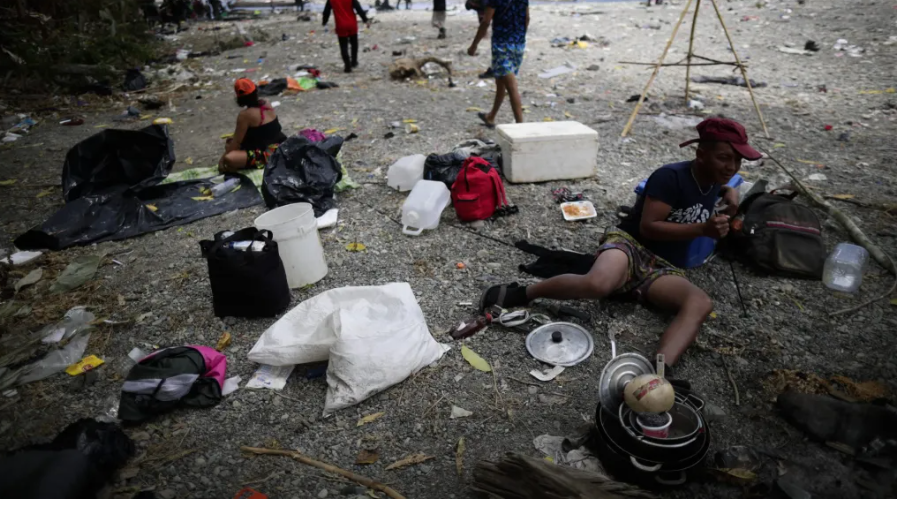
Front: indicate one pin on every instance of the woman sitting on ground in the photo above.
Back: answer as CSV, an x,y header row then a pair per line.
x,y
258,132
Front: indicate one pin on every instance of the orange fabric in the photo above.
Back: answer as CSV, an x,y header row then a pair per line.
x,y
292,84
244,86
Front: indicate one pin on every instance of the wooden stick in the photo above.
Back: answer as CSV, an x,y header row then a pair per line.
x,y
356,478
854,232
690,53
742,69
655,71
863,204
731,378
679,64
865,304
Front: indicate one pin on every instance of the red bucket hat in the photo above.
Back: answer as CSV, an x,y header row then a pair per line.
x,y
244,86
725,130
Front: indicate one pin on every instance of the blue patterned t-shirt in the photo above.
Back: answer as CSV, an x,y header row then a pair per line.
x,y
509,21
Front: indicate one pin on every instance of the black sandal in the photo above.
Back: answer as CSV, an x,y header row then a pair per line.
x,y
483,117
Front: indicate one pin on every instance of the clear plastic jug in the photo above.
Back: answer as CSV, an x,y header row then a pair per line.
x,y
844,267
423,206
407,171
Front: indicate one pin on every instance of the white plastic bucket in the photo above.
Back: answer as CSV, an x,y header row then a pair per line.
x,y
294,228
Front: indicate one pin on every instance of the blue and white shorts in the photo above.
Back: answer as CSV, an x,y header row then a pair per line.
x,y
506,58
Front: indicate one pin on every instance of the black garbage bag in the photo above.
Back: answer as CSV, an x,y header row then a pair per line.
x,y
443,167
134,80
117,157
273,88
300,171
120,212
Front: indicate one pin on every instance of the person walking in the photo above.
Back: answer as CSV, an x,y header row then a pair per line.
x,y
478,7
510,20
438,18
346,28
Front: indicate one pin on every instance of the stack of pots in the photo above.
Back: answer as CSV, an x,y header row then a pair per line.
x,y
630,455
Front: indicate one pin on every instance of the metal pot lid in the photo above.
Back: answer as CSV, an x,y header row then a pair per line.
x,y
616,375
561,344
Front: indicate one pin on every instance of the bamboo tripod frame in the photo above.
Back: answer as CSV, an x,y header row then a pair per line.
x,y
660,64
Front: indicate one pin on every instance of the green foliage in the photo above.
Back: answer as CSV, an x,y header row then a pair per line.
x,y
108,33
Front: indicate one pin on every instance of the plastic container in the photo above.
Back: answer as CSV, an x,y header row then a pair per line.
x,y
294,228
547,151
844,268
223,188
660,431
423,206
407,171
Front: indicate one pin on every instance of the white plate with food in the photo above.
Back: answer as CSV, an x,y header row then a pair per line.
x,y
580,210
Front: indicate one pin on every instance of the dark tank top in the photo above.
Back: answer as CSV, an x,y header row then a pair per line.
x,y
264,135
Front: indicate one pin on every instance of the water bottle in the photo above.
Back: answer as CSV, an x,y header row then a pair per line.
x,y
223,188
423,206
844,268
407,171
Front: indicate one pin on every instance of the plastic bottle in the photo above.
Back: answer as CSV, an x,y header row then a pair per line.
x,y
844,268
407,171
423,206
223,188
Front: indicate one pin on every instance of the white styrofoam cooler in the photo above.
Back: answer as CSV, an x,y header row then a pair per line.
x,y
547,151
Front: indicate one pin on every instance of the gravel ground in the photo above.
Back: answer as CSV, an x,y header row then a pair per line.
x,y
195,453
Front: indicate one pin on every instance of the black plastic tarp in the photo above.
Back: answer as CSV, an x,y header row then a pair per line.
x,y
108,182
136,158
300,171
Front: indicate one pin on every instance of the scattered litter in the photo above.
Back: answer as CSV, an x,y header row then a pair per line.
x,y
794,51
558,71
84,365
8,182
817,177
231,385
728,80
475,360
460,452
412,459
75,121
581,210
162,120
548,374
355,247
567,453
328,219
270,377
676,122
369,418
458,413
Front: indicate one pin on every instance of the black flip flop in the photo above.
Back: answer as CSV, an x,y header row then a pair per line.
x,y
483,117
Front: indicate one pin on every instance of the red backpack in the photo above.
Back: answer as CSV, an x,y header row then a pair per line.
x,y
478,190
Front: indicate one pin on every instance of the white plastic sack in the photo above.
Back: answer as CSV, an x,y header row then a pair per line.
x,y
374,336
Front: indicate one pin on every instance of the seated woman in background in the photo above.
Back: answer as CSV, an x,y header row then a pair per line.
x,y
258,132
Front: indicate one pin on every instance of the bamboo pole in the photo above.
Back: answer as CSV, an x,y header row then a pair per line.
x,y
356,478
857,235
655,71
690,53
742,69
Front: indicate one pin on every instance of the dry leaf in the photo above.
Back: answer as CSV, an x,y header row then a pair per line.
x,y
272,443
366,457
188,160
892,301
355,247
472,109
568,115
152,207
740,474
713,315
369,418
372,494
863,390
121,300
227,135
201,198
224,341
8,182
842,196
32,278
44,193
409,121
460,451
547,119
475,360
412,459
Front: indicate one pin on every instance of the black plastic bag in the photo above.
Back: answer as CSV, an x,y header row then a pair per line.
x,y
443,167
134,80
246,283
300,171
273,88
117,157
121,212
